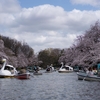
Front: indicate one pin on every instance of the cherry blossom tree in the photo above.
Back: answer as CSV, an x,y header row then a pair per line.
x,y
86,51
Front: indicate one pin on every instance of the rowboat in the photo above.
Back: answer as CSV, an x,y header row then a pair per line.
x,y
23,75
7,71
85,76
37,73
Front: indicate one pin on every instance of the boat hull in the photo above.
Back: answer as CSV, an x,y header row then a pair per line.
x,y
84,76
37,73
6,76
50,71
65,71
23,76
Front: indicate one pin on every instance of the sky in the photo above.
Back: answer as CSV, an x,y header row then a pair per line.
x,y
46,24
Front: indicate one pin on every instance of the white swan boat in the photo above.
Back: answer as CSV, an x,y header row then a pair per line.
x,y
7,70
65,69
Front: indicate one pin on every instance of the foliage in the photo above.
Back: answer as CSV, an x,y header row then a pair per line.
x,y
49,56
86,51
17,47
17,53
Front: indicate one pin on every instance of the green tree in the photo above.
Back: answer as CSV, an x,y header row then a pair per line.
x,y
49,56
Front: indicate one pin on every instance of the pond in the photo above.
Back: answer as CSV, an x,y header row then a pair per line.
x,y
49,86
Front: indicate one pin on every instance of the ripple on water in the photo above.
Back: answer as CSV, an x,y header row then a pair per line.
x,y
49,86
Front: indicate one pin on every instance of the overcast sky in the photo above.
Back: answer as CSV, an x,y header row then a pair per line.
x,y
47,23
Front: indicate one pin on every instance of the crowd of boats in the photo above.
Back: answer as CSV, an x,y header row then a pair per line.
x,y
8,71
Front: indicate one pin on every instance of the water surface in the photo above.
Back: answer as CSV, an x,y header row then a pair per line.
x,y
49,86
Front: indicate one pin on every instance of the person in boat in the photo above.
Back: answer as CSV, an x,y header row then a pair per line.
x,y
22,70
85,69
12,71
95,71
48,68
36,68
90,71
51,67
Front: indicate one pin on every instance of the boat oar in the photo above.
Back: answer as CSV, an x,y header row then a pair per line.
x,y
84,78
31,75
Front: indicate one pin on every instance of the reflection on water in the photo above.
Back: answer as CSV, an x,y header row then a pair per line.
x,y
49,86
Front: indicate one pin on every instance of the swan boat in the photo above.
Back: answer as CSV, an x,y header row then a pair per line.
x,y
65,69
7,71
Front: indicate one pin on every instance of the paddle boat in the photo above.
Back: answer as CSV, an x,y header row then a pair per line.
x,y
7,70
87,77
65,69
50,69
